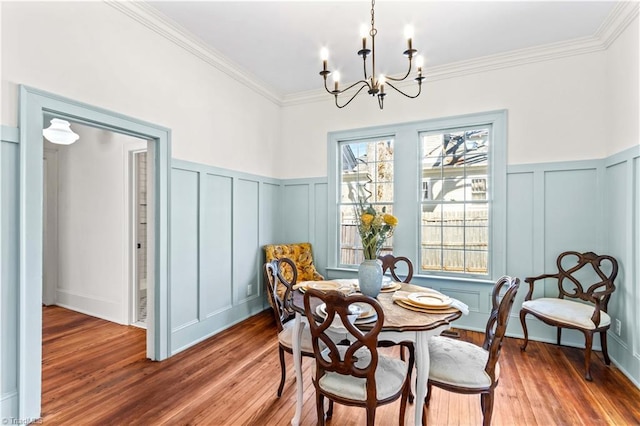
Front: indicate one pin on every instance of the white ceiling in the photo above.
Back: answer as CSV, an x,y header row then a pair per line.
x,y
278,42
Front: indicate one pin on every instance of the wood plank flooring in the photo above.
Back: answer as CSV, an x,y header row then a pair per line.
x,y
95,373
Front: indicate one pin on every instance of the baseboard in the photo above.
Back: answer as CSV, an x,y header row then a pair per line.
x,y
104,309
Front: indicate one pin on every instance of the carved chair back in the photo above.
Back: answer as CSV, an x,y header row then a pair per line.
x,y
274,273
333,357
498,320
389,263
601,269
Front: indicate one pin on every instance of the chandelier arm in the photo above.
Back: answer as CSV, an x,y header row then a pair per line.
x,y
402,78
363,82
404,94
352,97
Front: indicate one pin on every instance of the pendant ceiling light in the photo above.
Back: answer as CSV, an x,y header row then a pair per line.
x,y
60,132
375,85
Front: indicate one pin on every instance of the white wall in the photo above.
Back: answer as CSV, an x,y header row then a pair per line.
x,y
93,223
557,112
93,53
623,105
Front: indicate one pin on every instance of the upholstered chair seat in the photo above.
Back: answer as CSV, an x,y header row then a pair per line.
x,y
568,312
285,337
459,363
390,376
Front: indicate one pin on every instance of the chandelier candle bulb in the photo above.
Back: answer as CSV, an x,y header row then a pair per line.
x,y
363,34
408,34
324,56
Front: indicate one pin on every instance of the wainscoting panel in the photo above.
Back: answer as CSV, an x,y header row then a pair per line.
x,y
216,261
572,212
521,229
271,208
184,248
297,213
246,239
9,271
320,224
216,248
621,204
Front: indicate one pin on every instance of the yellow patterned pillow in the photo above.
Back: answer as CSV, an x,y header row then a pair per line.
x,y
301,255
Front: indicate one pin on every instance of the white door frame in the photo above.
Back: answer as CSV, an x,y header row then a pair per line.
x,y
50,225
34,104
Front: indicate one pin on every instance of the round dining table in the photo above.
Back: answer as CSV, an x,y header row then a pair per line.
x,y
401,324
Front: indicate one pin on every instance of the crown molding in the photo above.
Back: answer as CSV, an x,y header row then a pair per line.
x,y
150,18
618,20
621,16
499,61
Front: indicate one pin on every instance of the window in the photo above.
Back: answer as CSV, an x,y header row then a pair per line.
x,y
366,173
445,181
454,210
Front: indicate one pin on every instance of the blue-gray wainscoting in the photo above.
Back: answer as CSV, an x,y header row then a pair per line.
x,y
9,279
220,219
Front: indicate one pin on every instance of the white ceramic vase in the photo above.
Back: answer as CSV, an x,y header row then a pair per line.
x,y
370,277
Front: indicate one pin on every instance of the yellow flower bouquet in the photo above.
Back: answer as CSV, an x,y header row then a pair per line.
x,y
374,229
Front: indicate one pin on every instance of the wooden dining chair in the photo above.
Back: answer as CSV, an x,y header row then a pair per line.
x,y
274,273
389,264
585,284
352,373
462,367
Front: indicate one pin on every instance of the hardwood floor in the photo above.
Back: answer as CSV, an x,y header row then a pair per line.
x,y
95,373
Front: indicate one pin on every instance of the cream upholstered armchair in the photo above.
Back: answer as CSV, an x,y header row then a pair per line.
x,y
585,285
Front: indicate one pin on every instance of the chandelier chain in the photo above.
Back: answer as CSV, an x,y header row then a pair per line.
x,y
373,20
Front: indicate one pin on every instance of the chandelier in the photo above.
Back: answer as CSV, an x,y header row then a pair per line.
x,y
375,85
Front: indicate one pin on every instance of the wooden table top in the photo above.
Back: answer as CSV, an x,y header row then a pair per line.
x,y
396,318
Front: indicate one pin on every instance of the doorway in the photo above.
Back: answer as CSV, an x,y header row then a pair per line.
x,y
34,104
88,229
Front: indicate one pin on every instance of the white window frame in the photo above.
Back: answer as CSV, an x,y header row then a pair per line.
x,y
408,188
488,200
376,203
